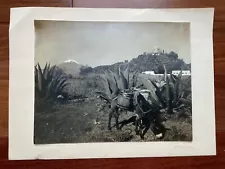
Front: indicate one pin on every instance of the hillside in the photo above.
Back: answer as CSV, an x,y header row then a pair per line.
x,y
148,62
144,62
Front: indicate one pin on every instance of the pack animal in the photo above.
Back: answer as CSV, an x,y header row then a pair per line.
x,y
135,102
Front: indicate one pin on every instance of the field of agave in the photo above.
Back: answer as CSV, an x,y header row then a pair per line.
x,y
170,92
70,109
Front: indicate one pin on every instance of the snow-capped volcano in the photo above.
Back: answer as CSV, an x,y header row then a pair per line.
x,y
70,66
71,61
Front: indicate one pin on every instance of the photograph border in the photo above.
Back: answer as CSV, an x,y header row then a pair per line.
x,y
21,84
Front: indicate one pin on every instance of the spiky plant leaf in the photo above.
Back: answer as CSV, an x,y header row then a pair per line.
x,y
123,81
106,84
134,79
117,90
168,92
116,83
177,88
118,78
104,96
62,81
49,91
40,79
126,75
165,73
36,75
159,94
45,71
148,85
179,75
112,81
117,75
58,89
63,86
53,88
173,78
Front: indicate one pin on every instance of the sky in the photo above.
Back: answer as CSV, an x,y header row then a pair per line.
x,y
104,43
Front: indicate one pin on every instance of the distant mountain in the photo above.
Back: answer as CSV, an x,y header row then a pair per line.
x,y
149,62
71,67
71,61
145,62
102,68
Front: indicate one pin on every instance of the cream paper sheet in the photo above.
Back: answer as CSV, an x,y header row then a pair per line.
x,y
21,85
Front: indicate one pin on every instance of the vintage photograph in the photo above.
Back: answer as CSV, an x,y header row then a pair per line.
x,y
112,82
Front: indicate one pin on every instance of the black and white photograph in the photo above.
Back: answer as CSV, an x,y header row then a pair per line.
x,y
112,82
126,82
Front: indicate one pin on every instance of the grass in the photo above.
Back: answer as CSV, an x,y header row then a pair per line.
x,y
86,121
65,123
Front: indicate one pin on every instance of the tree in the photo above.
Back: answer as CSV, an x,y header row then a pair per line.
x,y
178,65
85,70
159,70
173,55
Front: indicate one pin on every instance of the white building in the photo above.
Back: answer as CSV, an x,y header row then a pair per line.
x,y
184,72
149,72
174,72
157,51
152,73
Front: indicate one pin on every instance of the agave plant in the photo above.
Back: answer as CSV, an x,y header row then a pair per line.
x,y
167,93
118,81
48,82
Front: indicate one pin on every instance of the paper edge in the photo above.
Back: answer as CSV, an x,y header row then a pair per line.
x,y
212,10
